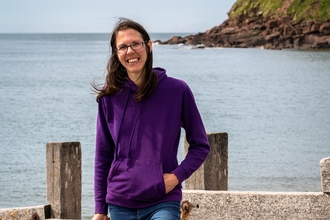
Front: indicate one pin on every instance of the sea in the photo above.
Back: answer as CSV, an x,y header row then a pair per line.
x,y
274,105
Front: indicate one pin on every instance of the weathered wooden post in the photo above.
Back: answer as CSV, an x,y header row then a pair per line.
x,y
63,176
325,175
213,174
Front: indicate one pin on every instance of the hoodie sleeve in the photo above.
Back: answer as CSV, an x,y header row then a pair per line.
x,y
196,136
103,158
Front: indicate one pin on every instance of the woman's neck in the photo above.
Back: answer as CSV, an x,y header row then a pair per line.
x,y
136,78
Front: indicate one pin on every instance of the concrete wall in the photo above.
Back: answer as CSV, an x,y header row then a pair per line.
x,y
26,213
212,205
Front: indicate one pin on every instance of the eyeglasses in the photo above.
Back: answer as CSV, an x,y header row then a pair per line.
x,y
135,46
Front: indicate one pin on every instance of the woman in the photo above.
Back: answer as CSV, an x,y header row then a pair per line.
x,y
140,114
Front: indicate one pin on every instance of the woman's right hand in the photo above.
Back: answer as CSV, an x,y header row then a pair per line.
x,y
100,217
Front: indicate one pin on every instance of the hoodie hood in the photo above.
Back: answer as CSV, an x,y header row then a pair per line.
x,y
161,75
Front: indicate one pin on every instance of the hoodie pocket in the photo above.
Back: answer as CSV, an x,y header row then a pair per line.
x,y
139,179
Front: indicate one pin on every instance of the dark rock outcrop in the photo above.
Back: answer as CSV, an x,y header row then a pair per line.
x,y
256,30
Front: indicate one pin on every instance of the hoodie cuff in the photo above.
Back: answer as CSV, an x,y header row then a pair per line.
x,y
180,173
101,208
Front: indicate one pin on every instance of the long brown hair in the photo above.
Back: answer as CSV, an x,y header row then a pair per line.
x,y
116,74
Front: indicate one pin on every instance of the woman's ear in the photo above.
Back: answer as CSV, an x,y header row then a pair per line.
x,y
150,45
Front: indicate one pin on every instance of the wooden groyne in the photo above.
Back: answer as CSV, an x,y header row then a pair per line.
x,y
205,195
63,179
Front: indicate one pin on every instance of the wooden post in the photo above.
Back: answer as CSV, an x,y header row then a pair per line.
x,y
213,174
63,176
325,174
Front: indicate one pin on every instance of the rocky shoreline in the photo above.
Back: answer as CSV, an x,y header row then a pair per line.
x,y
258,31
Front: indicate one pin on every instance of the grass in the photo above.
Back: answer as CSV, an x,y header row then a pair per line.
x,y
317,10
300,10
246,7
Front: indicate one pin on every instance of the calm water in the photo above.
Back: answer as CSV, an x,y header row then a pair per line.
x,y
274,105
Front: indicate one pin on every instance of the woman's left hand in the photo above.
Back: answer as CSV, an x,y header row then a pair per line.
x,y
170,181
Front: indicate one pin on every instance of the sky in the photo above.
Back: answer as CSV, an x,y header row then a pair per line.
x,y
100,16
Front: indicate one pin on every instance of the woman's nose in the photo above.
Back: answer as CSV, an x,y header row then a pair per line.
x,y
129,49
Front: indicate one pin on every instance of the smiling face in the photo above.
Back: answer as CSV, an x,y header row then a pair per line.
x,y
133,60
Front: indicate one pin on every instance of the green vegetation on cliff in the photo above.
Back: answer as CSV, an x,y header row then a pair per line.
x,y
253,7
310,10
300,10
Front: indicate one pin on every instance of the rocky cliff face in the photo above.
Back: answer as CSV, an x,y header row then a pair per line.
x,y
257,26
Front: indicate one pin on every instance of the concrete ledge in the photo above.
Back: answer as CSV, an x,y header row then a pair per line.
x,y
32,212
213,205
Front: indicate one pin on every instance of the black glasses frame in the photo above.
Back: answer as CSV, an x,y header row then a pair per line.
x,y
127,46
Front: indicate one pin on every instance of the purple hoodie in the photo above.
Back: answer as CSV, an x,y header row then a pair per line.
x,y
136,142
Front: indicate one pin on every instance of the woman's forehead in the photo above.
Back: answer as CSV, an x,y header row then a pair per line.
x,y
128,35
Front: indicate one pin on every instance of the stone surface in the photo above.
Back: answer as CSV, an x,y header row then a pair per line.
x,y
325,174
33,213
214,205
213,173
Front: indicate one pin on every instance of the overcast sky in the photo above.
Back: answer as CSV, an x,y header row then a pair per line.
x,y
87,16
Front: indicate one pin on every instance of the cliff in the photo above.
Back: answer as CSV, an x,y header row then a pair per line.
x,y
273,24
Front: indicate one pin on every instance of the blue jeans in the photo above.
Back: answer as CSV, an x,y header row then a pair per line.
x,y
162,211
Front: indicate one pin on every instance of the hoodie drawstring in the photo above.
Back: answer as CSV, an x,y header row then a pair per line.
x,y
132,134
131,138
121,123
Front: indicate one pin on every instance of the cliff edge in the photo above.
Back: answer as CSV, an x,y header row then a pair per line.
x,y
271,24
